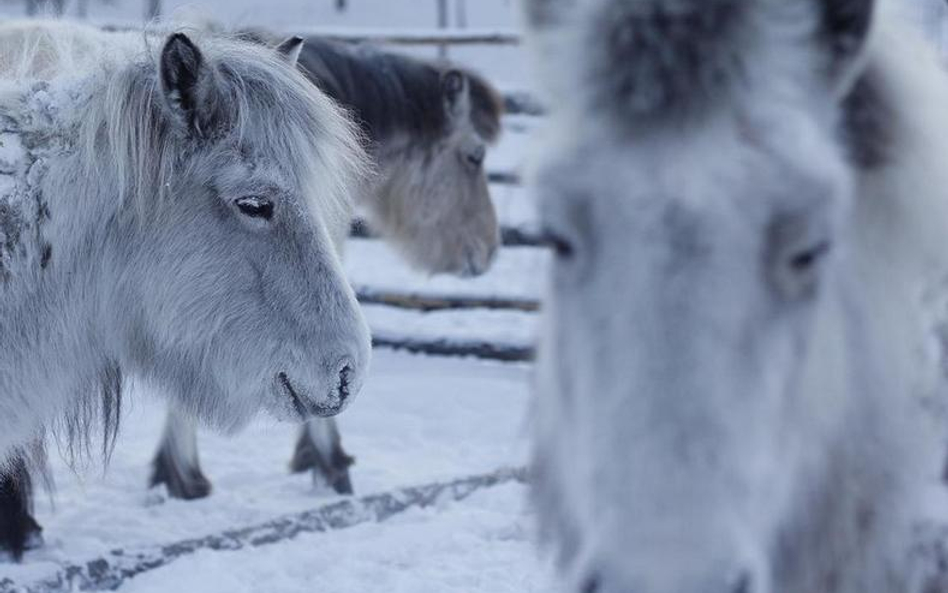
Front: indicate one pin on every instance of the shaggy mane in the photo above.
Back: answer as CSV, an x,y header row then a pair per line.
x,y
389,93
268,103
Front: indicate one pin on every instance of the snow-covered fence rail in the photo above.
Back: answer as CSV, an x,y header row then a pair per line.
x,y
517,102
114,569
511,236
435,37
429,303
416,37
461,348
503,177
522,103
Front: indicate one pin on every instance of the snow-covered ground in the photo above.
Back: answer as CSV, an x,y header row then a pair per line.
x,y
418,420
479,546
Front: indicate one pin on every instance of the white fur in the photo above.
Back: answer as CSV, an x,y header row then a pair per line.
x,y
698,422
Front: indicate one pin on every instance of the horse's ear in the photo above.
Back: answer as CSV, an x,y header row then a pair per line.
x,y
844,30
455,89
188,85
290,49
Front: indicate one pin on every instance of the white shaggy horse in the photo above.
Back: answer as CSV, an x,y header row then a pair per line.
x,y
171,213
748,201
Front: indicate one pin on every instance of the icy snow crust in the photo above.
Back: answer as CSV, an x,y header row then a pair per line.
x,y
31,132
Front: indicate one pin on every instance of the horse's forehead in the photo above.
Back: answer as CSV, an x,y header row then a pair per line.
x,y
238,168
731,186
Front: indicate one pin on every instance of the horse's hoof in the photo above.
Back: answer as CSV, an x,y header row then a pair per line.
x,y
194,487
343,484
339,483
184,483
23,536
191,486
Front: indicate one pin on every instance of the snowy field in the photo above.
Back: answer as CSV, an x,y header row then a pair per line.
x,y
419,420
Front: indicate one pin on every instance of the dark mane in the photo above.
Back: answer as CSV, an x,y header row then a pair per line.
x,y
389,93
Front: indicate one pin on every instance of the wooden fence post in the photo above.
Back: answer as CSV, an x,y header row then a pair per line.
x,y
35,7
460,13
152,9
443,24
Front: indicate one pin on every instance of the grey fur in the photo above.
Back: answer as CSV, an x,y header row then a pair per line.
x,y
679,56
868,123
133,256
683,56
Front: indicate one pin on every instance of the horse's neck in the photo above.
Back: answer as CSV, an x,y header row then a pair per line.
x,y
395,159
50,302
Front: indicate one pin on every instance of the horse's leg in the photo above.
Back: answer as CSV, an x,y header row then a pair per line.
x,y
19,531
319,448
176,464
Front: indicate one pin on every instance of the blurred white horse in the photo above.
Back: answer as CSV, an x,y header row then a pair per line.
x,y
747,199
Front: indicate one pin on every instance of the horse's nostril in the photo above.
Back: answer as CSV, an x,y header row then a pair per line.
x,y
345,377
590,585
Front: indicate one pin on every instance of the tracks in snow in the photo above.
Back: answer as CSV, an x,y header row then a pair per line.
x,y
111,571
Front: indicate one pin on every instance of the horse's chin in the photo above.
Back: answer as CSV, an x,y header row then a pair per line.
x,y
465,266
293,402
235,421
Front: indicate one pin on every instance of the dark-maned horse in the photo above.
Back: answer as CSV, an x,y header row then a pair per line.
x,y
427,127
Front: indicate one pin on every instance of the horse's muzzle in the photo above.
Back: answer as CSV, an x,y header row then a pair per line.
x,y
307,407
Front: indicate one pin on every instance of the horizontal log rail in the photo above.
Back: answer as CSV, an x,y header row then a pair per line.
x,y
434,302
504,177
522,103
457,348
420,37
509,236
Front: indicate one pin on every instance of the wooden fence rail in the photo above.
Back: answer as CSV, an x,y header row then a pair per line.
x,y
457,348
510,236
428,303
435,37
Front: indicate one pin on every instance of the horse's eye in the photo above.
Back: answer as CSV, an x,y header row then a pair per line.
x,y
797,273
806,259
476,158
255,207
